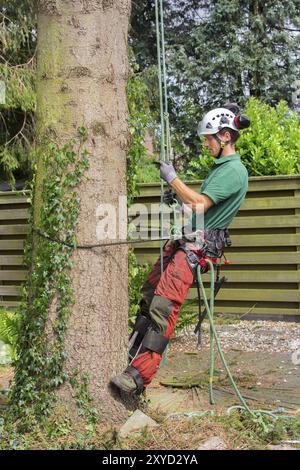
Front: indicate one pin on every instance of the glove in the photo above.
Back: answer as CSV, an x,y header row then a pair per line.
x,y
169,197
167,171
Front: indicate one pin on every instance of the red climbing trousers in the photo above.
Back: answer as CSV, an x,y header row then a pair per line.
x,y
163,296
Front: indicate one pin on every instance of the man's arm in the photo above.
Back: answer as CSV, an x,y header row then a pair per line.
x,y
188,196
197,202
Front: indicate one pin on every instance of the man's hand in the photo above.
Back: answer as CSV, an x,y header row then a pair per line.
x,y
167,171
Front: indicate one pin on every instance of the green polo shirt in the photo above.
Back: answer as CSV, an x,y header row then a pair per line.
x,y
226,185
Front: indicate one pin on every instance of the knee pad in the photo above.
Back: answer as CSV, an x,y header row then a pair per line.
x,y
159,312
154,342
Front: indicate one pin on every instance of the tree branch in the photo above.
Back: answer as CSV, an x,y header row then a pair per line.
x,y
281,28
19,132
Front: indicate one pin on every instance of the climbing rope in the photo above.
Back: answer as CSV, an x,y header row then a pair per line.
x,y
214,336
165,143
97,245
256,414
165,138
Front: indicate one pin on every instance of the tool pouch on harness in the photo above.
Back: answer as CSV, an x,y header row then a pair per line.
x,y
204,243
216,240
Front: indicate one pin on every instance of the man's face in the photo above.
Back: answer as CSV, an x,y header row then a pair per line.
x,y
212,145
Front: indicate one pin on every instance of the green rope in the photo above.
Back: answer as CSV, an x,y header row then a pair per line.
x,y
162,121
271,413
211,343
160,62
165,87
213,335
165,144
256,414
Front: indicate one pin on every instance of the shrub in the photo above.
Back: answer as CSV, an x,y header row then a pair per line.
x,y
9,330
271,146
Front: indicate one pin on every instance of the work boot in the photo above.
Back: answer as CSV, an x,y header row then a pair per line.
x,y
124,382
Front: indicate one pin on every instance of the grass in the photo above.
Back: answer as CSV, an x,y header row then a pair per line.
x,y
201,379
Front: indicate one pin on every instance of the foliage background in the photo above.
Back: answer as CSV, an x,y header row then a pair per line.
x,y
17,71
220,51
217,50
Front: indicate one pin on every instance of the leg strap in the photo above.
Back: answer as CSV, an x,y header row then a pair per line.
x,y
136,377
142,324
155,342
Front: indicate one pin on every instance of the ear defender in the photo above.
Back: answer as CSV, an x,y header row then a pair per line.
x,y
242,121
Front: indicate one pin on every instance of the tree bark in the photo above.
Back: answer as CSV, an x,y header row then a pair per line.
x,y
81,81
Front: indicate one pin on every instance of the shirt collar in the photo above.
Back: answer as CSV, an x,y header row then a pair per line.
x,y
219,161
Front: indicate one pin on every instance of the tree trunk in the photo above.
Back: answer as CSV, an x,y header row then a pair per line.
x,y
82,75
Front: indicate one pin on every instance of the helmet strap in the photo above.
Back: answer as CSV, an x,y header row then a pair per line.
x,y
221,143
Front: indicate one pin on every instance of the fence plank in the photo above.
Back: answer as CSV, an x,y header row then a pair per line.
x,y
255,222
11,245
16,214
19,229
272,258
13,200
11,260
255,309
12,304
9,275
265,295
260,184
260,277
248,240
14,291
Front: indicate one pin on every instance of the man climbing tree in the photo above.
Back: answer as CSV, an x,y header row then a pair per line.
x,y
220,198
74,325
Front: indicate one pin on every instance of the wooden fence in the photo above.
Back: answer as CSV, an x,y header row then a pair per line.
x,y
14,211
264,274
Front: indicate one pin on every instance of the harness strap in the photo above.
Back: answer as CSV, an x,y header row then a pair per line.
x,y
142,324
221,143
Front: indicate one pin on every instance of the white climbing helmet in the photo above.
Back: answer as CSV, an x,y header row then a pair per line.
x,y
216,120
